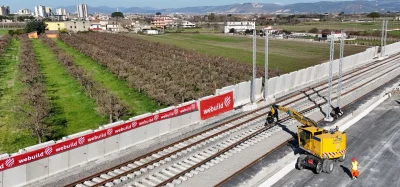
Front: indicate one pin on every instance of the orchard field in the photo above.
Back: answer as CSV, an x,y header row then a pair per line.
x,y
50,88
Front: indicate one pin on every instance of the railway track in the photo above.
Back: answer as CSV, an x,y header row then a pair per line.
x,y
242,128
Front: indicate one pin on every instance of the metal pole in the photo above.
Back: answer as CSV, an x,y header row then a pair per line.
x,y
254,68
384,39
266,65
383,35
339,88
332,52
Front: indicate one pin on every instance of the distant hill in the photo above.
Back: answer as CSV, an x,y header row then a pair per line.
x,y
238,8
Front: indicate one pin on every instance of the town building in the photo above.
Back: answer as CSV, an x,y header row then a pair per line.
x,y
82,11
4,10
161,21
239,26
61,11
40,11
73,26
25,11
55,25
328,36
49,11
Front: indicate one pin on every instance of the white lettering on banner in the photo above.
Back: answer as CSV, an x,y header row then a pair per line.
x,y
29,158
64,147
145,122
219,106
2,166
168,115
94,138
187,108
122,129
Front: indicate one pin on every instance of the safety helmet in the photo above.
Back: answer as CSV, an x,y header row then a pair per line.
x,y
354,159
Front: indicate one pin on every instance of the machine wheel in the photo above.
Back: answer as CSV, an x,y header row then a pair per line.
x,y
299,163
341,159
328,166
318,168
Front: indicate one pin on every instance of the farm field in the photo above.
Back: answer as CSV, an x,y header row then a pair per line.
x,y
288,56
348,26
87,80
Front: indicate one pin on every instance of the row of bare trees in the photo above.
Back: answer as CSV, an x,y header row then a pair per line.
x,y
36,106
168,74
107,102
4,43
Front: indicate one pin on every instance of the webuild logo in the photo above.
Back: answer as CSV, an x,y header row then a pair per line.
x,y
156,117
125,128
48,150
109,132
216,105
97,137
188,108
67,146
27,158
10,162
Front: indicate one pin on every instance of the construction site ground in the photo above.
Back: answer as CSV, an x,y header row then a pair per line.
x,y
374,142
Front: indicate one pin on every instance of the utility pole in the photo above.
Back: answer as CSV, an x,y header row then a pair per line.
x,y
339,88
266,65
384,39
253,81
382,36
332,52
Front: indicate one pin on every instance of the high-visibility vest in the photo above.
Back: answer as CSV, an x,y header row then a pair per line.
x,y
354,165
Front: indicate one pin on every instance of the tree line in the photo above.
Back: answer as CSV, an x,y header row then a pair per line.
x,y
107,102
168,74
35,103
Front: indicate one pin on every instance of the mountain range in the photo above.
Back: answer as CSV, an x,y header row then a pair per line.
x,y
248,8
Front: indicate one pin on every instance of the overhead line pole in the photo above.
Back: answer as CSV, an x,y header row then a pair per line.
x,y
383,36
332,52
266,64
253,81
339,88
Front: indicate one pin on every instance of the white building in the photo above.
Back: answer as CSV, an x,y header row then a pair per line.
x,y
4,10
82,11
61,11
40,11
337,36
187,24
24,11
239,26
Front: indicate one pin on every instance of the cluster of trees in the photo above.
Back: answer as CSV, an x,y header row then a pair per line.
x,y
107,103
168,74
36,106
38,26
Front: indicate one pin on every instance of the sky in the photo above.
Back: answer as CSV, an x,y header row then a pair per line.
x,y
15,5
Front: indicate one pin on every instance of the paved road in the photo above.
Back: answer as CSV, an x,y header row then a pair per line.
x,y
374,141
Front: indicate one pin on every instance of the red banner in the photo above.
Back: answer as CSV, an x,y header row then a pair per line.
x,y
216,105
92,137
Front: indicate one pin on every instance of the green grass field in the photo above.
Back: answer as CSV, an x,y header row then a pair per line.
x,y
11,137
348,26
65,92
3,32
288,56
139,103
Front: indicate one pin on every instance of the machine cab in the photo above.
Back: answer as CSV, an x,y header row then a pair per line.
x,y
307,137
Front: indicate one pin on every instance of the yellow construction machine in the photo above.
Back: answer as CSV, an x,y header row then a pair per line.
x,y
321,147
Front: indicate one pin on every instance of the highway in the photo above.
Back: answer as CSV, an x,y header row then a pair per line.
x,y
374,142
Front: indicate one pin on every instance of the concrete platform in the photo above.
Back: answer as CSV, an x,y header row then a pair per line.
x,y
374,142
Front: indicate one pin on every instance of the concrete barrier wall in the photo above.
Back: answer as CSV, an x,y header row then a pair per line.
x,y
283,84
392,48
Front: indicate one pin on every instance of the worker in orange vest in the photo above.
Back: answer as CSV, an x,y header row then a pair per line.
x,y
354,169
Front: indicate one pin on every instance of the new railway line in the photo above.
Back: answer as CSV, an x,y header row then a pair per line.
x,y
173,164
